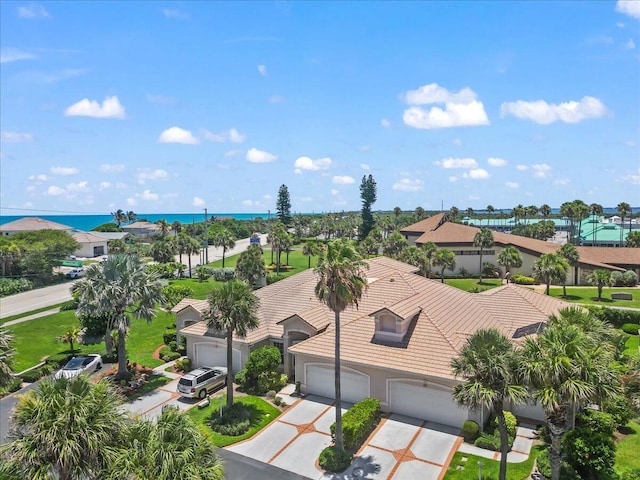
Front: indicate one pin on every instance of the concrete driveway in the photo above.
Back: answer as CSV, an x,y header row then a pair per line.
x,y
399,448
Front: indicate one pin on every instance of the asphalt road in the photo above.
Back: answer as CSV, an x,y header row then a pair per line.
x,y
35,299
239,467
7,404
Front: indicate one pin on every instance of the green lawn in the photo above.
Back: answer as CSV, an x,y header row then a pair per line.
x,y
627,457
26,314
589,296
298,261
490,468
35,339
201,290
633,346
472,284
262,413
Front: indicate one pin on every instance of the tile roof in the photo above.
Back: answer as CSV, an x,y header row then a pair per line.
x,y
200,306
86,237
32,224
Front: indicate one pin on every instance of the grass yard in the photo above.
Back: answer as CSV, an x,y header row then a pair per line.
x,y
472,284
490,468
633,346
627,457
297,260
35,339
262,413
589,296
201,290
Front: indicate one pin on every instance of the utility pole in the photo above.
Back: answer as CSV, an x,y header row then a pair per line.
x,y
206,238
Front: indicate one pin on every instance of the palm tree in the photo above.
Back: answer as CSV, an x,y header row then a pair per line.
x,y
445,259
633,240
6,354
545,210
173,448
394,244
429,249
250,266
164,227
453,214
419,213
624,209
119,217
550,267
225,239
596,210
569,252
131,216
509,257
600,278
233,309
487,364
191,247
341,283
65,429
563,367
176,226
70,336
117,289
483,239
308,250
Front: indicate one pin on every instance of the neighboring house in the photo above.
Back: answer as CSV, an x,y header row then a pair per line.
x,y
90,245
142,229
459,238
397,346
108,236
32,224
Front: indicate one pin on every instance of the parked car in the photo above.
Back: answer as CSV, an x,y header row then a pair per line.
x,y
81,364
75,273
198,382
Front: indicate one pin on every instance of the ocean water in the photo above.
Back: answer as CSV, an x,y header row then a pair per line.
x,y
88,222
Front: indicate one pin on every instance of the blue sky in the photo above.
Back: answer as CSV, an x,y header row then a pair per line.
x,y
176,106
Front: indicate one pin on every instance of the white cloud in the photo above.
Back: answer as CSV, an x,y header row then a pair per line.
x,y
457,142
175,13
562,181
104,185
630,45
273,99
110,108
78,187
198,202
476,174
148,195
177,135
131,202
434,93
632,178
266,196
16,137
55,191
496,162
522,168
364,166
232,135
385,123
32,11
474,197
262,69
544,113
247,203
232,153
41,177
512,185
453,179
334,191
64,170
145,174
541,170
408,185
629,7
121,185
343,180
306,163
259,156
31,188
457,163
112,167
8,55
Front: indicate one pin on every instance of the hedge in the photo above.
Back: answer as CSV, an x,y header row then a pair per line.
x,y
631,328
615,316
334,459
523,279
358,421
470,431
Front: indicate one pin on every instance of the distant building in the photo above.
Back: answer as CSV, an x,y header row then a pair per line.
x,y
90,245
32,224
142,229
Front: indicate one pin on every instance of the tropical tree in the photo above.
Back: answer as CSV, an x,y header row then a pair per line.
x,y
370,246
65,429
487,364
225,239
444,259
596,211
483,239
429,249
309,249
119,217
394,244
278,238
164,227
341,283
633,240
71,336
569,252
283,205
250,266
600,278
563,367
163,250
176,227
368,194
550,267
171,448
6,356
191,247
419,213
116,246
131,216
624,209
453,214
509,257
397,211
233,309
118,289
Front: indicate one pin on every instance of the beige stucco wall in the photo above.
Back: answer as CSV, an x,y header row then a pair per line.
x,y
86,249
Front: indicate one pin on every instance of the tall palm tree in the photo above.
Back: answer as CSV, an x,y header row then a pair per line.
x,y
429,249
600,278
191,247
509,257
596,210
119,217
131,216
550,267
171,448
394,244
453,214
309,250
419,213
6,355
545,210
569,252
444,259
341,284
397,211
483,239
65,429
581,211
164,227
563,367
225,239
70,336
487,364
624,209
118,289
233,309
176,226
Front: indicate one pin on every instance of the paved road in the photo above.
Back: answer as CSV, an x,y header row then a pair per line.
x,y
215,253
239,467
7,404
35,299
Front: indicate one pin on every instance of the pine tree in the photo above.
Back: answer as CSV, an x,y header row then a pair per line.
x,y
283,205
368,196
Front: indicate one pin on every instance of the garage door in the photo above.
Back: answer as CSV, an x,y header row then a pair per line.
x,y
432,404
321,381
215,355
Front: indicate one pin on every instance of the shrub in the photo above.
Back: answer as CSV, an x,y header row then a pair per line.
x,y
488,441
110,357
590,453
510,421
94,325
543,463
631,474
273,278
58,360
631,328
223,274
169,335
277,401
630,278
13,385
599,422
69,305
620,408
235,420
334,459
170,356
37,373
470,431
615,316
261,370
173,345
240,377
9,286
183,364
163,270
523,279
271,394
358,421
174,293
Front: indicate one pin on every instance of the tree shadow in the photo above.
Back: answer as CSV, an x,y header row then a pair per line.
x,y
360,468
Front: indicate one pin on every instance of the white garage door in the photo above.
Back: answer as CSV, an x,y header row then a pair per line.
x,y
431,404
321,381
215,355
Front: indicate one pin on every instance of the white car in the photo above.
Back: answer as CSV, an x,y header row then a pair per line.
x,y
78,365
75,273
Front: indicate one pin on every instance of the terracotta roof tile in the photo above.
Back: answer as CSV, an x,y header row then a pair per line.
x,y
32,224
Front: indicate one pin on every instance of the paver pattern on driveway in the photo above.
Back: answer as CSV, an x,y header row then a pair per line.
x,y
399,448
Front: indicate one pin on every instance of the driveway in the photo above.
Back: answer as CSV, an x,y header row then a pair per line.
x,y
399,448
